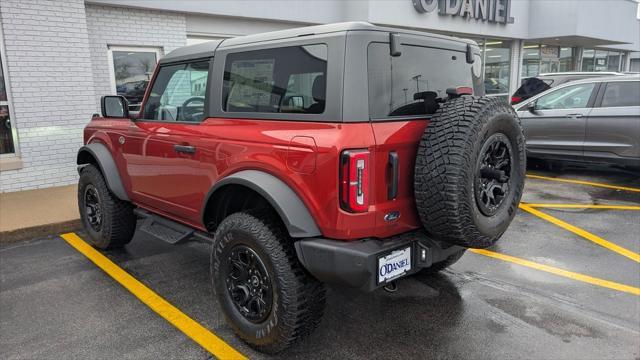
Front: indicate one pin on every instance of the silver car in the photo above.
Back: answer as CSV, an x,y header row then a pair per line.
x,y
593,120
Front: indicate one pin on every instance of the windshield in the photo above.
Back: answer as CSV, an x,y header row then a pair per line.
x,y
403,85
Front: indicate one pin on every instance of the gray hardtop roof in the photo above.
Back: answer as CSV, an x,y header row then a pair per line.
x,y
203,50
207,49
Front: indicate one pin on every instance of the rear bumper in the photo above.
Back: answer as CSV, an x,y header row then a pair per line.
x,y
355,263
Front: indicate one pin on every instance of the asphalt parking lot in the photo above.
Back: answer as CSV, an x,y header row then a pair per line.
x,y
563,283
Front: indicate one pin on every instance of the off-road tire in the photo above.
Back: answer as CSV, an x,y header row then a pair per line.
x,y
446,170
439,266
118,222
298,298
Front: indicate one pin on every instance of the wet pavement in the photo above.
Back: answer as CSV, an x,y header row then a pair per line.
x,y
55,303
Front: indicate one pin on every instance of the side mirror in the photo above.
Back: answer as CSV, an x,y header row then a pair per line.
x,y
114,106
532,107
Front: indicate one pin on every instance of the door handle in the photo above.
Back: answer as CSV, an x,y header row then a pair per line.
x,y
392,189
574,116
187,149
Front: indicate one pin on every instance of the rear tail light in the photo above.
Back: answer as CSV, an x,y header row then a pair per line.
x,y
515,100
354,180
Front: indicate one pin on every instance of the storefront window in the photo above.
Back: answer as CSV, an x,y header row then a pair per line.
x,y
541,58
566,59
530,60
132,70
634,59
497,64
6,134
613,61
601,60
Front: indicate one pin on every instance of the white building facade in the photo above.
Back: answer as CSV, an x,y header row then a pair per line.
x,y
59,56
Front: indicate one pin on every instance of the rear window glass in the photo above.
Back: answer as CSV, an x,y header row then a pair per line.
x,y
281,80
398,86
621,94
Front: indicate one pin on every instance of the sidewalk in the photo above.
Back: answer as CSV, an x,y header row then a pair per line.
x,y
41,212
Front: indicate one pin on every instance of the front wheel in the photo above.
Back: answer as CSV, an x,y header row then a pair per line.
x,y
109,221
266,296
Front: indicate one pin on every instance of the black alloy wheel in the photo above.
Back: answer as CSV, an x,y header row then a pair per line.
x,y
248,284
265,294
93,207
493,177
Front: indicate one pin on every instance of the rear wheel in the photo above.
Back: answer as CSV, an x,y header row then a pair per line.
x,y
109,221
266,296
469,172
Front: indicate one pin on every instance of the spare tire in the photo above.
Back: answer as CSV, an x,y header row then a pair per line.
x,y
470,170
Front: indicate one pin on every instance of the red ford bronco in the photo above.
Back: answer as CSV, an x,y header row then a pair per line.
x,y
344,153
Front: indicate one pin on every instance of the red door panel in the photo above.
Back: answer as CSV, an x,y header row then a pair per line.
x,y
162,177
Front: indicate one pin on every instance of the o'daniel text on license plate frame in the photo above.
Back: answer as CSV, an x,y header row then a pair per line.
x,y
394,265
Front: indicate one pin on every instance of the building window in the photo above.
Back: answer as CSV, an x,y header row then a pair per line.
x,y
601,60
634,61
530,60
497,65
131,69
541,58
566,60
6,131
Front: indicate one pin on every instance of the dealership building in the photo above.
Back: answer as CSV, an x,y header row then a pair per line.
x,y
59,56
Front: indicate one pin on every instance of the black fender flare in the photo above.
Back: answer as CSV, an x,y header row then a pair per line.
x,y
107,166
292,211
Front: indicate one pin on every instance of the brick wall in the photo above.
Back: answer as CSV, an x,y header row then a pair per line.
x,y
49,70
57,62
113,26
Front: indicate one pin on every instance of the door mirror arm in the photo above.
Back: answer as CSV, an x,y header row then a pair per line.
x,y
134,115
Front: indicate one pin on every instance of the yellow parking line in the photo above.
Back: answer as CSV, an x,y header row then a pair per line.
x,y
584,206
560,272
177,318
583,233
616,187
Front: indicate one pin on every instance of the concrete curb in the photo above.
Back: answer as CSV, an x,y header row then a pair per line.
x,y
7,237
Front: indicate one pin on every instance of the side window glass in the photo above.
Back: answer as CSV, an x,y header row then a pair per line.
x,y
621,94
178,93
281,80
570,97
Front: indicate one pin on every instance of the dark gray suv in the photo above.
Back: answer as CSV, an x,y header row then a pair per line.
x,y
594,120
533,86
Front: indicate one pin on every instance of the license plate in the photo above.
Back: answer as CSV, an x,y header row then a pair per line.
x,y
394,265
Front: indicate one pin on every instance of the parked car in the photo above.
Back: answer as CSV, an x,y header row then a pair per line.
x,y
594,120
304,167
535,85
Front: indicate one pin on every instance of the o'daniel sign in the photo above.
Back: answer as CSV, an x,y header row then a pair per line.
x,y
496,11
